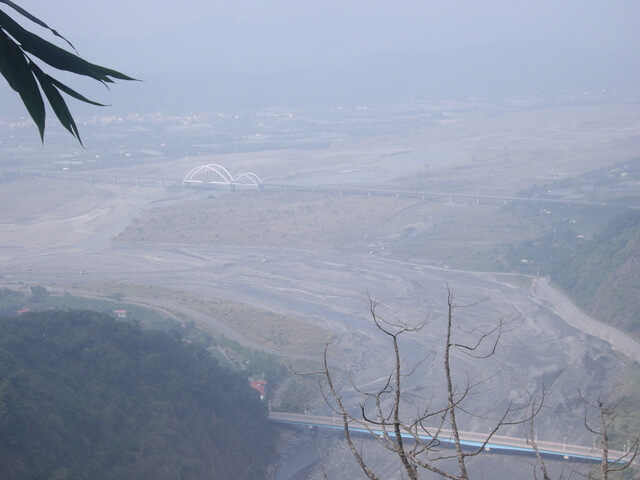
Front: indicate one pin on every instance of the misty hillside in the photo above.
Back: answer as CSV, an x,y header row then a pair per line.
x,y
605,275
84,396
601,273
490,71
553,68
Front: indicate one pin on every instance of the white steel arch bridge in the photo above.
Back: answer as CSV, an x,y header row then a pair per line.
x,y
214,174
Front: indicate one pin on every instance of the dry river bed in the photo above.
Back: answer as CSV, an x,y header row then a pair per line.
x,y
331,289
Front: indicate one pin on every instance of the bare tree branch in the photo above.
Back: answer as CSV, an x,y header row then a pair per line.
x,y
606,412
419,444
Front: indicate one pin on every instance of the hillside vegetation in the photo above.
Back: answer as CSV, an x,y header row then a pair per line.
x,y
604,275
601,273
83,396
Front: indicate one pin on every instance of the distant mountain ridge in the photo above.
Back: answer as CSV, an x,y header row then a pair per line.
x,y
490,71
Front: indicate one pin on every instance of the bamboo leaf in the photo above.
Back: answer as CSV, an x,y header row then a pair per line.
x,y
55,56
19,48
69,91
35,19
56,101
16,70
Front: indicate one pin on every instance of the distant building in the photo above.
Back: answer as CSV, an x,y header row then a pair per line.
x,y
120,313
261,387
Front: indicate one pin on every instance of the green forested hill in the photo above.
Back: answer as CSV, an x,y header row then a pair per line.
x,y
602,273
83,396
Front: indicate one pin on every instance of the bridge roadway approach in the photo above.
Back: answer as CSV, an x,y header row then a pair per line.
x,y
166,182
499,443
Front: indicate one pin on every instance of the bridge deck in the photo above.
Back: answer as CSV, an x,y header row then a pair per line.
x,y
471,439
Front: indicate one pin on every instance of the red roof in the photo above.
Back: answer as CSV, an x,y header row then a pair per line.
x,y
260,386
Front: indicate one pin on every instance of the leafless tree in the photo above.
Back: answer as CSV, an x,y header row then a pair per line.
x,y
530,434
424,442
599,418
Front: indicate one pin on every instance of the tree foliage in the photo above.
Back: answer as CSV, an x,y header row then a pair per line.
x,y
20,47
84,396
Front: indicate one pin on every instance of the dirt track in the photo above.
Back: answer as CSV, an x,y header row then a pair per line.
x,y
576,318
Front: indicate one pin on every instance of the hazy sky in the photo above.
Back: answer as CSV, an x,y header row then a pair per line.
x,y
553,46
140,36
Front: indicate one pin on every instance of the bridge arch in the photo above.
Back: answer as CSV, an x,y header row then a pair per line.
x,y
248,178
214,174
